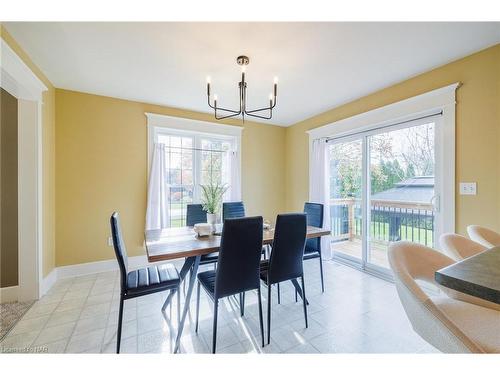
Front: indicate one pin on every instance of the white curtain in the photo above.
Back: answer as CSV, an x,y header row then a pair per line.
x,y
157,213
319,187
231,176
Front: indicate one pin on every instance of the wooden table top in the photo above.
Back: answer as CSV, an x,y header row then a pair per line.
x,y
478,275
174,243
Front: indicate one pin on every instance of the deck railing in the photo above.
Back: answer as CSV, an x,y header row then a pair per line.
x,y
389,220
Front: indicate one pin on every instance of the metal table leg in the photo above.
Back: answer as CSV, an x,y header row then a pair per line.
x,y
298,288
193,262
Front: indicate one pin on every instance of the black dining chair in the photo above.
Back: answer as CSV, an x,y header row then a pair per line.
x,y
314,212
238,268
286,260
231,210
196,214
143,281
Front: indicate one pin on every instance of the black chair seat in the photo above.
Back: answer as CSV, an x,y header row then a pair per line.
x,y
311,253
207,280
209,258
152,279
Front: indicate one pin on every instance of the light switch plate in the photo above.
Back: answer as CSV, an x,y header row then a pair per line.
x,y
468,188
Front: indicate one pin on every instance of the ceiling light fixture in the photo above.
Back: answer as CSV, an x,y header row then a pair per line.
x,y
243,61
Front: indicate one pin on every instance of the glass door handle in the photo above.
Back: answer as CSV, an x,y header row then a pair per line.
x,y
436,202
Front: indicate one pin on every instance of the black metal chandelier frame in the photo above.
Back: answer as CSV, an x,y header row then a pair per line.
x,y
243,61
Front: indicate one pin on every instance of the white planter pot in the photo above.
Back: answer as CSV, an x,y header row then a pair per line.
x,y
212,219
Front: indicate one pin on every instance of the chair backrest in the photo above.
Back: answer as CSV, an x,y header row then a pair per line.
x,y
410,263
459,247
238,265
120,250
289,241
195,214
314,213
232,210
484,236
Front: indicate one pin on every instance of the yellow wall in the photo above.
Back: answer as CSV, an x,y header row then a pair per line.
x,y
101,162
48,150
477,133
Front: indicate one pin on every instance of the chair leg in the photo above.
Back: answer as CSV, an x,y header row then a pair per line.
x,y
296,296
242,303
321,273
214,334
119,332
279,294
304,299
178,290
268,314
170,307
260,317
197,306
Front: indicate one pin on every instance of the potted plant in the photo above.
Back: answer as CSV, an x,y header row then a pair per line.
x,y
211,199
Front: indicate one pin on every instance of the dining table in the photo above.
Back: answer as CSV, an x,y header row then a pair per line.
x,y
478,275
184,243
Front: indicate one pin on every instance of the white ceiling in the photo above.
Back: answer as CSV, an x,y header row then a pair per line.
x,y
319,65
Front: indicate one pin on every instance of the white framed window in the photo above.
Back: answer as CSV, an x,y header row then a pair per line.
x,y
193,153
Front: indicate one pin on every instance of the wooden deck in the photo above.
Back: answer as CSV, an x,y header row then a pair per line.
x,y
377,252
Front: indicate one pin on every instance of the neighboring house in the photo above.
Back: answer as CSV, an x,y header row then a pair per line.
x,y
418,189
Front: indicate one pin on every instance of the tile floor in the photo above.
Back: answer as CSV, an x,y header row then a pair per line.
x,y
358,313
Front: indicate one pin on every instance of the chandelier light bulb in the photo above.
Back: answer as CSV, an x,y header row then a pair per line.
x,y
215,97
275,80
270,96
243,69
209,80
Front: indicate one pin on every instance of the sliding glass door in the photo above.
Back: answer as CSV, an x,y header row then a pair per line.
x,y
382,189
346,188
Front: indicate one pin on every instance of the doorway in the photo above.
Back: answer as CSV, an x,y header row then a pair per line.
x,y
384,187
20,82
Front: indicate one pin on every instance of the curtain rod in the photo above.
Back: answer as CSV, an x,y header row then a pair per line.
x,y
195,149
386,126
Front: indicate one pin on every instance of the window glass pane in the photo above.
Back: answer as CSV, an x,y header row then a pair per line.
x,y
165,139
187,160
216,163
175,194
175,176
187,177
205,144
205,177
175,160
401,189
206,160
175,142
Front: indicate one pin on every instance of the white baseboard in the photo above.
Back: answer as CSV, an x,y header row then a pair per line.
x,y
9,294
82,269
48,281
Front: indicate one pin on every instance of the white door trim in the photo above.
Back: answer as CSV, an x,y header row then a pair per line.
x,y
20,81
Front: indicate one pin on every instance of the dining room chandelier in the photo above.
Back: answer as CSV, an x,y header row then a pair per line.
x,y
265,113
